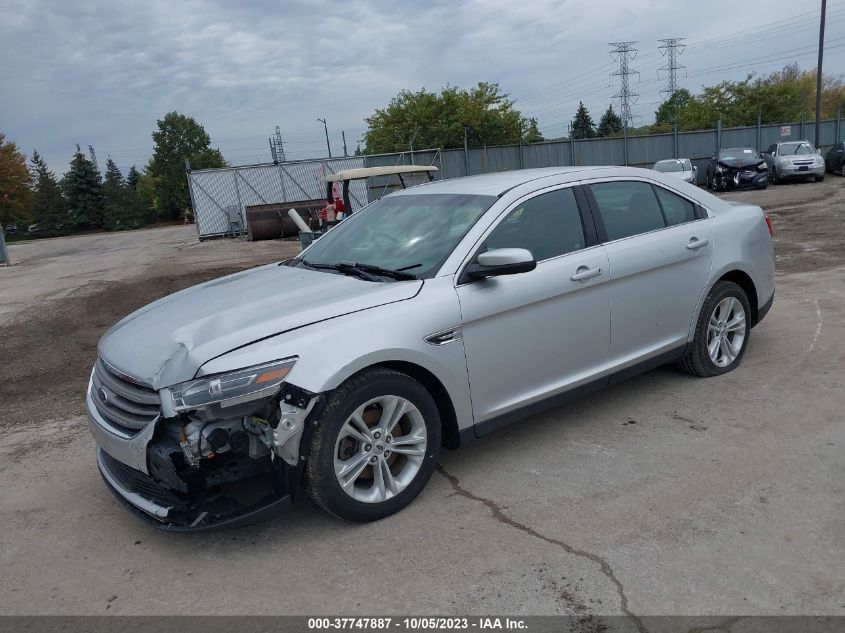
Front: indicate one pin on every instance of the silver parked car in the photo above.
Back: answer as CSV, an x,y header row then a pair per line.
x,y
678,168
794,160
427,319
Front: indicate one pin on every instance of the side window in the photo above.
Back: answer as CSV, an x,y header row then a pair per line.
x,y
676,209
627,208
548,225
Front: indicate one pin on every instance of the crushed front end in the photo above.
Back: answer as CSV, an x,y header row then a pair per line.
x,y
735,176
217,451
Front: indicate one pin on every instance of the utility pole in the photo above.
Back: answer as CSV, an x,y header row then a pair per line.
x,y
343,134
93,156
819,73
326,128
671,49
623,52
280,146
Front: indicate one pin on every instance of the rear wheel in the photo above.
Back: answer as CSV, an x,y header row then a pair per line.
x,y
721,333
375,446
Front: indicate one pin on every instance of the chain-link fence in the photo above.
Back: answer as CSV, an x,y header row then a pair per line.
x,y
218,193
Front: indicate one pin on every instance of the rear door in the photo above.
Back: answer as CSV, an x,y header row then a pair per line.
x,y
659,247
533,335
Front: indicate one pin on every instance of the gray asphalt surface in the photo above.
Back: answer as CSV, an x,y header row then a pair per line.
x,y
666,494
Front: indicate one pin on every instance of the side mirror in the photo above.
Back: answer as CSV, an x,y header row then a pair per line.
x,y
502,261
819,151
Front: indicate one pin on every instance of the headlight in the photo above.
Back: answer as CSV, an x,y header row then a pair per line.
x,y
784,161
237,387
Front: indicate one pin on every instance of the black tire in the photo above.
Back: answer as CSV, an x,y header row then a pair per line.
x,y
696,360
322,484
820,178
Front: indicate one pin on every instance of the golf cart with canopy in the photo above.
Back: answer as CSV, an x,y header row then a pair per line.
x,y
362,173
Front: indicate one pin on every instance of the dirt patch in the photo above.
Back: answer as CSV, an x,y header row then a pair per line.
x,y
51,350
808,220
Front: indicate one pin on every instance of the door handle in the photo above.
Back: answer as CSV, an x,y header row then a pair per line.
x,y
695,243
583,273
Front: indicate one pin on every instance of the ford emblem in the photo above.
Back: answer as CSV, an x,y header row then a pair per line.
x,y
102,395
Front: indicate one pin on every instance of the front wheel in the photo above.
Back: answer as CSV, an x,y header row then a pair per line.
x,y
375,446
721,333
820,178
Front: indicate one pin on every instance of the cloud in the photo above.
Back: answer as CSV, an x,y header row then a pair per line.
x,y
101,72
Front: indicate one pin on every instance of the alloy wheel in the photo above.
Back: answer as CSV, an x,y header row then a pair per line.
x,y
726,332
380,449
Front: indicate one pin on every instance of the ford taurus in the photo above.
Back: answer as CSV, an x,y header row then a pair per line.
x,y
428,319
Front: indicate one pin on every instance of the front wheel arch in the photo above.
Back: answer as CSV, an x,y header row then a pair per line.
x,y
448,417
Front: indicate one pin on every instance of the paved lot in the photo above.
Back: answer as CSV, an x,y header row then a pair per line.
x,y
664,495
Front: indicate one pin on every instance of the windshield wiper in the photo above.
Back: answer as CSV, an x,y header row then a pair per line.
x,y
399,273
342,267
364,271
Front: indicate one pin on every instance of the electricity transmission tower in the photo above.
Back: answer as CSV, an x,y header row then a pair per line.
x,y
93,156
624,52
671,49
277,147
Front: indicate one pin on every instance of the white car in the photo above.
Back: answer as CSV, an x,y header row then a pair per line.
x,y
678,168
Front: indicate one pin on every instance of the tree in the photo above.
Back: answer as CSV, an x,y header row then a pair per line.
x,y
177,139
582,124
84,192
610,123
427,119
671,109
530,132
119,211
49,208
15,194
132,178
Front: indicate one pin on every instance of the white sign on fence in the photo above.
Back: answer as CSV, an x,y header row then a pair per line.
x,y
786,130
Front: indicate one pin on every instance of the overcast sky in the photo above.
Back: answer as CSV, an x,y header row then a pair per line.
x,y
101,72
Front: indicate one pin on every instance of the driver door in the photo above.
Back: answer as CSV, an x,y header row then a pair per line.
x,y
534,335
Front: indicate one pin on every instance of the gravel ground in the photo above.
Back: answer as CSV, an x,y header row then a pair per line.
x,y
663,495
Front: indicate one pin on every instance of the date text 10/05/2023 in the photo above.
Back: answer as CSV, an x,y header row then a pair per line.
x,y
417,623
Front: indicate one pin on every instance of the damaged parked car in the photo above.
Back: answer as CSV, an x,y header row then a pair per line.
x,y
737,167
431,317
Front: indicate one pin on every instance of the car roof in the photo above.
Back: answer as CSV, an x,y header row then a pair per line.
x,y
497,183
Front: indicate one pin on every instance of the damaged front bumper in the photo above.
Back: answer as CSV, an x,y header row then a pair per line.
x,y
166,510
144,470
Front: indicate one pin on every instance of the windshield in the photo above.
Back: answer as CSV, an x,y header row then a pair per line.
x,y
789,149
669,165
408,232
738,154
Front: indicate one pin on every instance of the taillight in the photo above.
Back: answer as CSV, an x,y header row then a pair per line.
x,y
769,224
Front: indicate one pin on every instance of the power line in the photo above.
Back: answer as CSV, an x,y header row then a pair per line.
x,y
623,52
671,49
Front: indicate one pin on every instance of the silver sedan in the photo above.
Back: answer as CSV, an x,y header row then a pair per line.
x,y
428,319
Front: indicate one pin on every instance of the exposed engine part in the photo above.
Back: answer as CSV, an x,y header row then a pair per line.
x,y
283,438
202,439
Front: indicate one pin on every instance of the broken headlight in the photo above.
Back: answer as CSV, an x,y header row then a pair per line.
x,y
231,388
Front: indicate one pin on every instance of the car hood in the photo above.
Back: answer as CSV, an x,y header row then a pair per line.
x,y
741,163
167,341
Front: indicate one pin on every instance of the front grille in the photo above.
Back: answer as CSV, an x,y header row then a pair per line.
x,y
121,402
